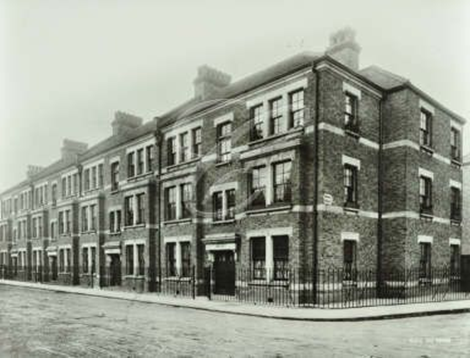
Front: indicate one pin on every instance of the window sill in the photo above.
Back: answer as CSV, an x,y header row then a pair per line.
x,y
136,226
117,233
182,164
456,162
223,222
456,222
225,162
89,232
351,207
177,279
426,149
114,191
140,176
428,216
177,221
268,209
353,133
275,136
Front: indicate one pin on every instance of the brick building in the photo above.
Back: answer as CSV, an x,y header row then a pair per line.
x,y
312,163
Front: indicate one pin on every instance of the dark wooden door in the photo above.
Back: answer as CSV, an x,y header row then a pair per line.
x,y
224,273
115,268
54,268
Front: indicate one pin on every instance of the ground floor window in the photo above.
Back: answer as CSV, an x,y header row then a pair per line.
x,y
258,258
171,259
281,257
425,260
141,259
129,259
454,260
85,259
349,260
185,259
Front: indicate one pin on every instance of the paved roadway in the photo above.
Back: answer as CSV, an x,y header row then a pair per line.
x,y
36,323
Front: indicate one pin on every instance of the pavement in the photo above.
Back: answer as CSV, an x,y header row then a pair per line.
x,y
285,313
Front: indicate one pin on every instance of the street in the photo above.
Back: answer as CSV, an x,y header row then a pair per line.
x,y
35,323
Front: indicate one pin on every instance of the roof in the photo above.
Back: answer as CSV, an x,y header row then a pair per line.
x,y
385,79
245,84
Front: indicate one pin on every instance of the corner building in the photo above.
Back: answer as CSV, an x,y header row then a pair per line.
x,y
311,164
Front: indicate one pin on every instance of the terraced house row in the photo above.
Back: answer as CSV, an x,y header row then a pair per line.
x,y
310,164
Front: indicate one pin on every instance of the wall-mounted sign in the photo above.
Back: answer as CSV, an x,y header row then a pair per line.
x,y
327,199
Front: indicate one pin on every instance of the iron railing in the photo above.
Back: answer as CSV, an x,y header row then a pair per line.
x,y
328,288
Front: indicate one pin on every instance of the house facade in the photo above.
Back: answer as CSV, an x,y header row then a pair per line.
x,y
311,164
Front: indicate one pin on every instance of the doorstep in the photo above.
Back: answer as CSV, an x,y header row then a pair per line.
x,y
238,308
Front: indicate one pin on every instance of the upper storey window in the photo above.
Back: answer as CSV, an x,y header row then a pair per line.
x,y
171,148
224,141
296,105
425,138
275,115
257,122
114,176
139,159
455,144
184,147
425,194
197,140
351,120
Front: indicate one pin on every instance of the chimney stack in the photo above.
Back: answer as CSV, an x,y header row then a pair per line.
x,y
71,149
33,170
344,48
209,81
124,122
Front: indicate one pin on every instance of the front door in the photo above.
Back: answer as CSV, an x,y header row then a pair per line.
x,y
224,273
115,270
54,267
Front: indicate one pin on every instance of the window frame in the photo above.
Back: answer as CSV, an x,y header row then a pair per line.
x,y
260,188
257,122
425,137
455,204
350,190
171,150
425,260
280,257
197,142
295,108
224,142
425,194
275,115
351,112
349,260
258,257
285,184
170,205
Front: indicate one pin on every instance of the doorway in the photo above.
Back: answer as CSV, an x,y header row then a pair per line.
x,y
115,270
224,272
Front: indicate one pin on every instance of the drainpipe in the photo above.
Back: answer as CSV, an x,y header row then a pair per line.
x,y
315,183
159,202
380,196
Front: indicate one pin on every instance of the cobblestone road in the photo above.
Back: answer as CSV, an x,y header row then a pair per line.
x,y
36,323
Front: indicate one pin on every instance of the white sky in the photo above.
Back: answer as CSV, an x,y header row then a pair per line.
x,y
67,66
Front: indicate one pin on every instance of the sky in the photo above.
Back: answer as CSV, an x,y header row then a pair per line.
x,y
67,65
